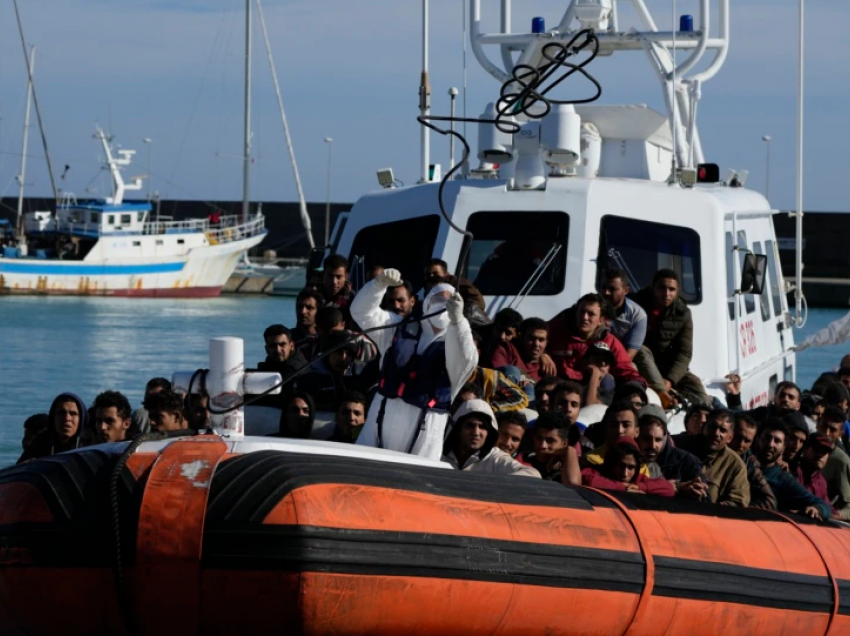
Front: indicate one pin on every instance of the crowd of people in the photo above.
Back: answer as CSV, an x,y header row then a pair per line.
x,y
430,374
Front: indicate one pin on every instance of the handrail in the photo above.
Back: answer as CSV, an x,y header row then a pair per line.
x,y
226,230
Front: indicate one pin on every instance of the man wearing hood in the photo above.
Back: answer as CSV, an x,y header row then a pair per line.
x,y
574,331
67,419
424,365
471,445
296,420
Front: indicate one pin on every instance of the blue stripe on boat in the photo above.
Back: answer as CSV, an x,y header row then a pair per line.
x,y
84,269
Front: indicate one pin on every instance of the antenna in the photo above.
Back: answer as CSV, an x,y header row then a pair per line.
x,y
674,120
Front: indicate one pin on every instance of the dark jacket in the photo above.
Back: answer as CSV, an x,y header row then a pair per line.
x,y
677,464
46,443
286,368
761,494
303,426
791,495
670,337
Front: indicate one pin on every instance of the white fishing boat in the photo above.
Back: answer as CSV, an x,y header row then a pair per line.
x,y
565,190
113,247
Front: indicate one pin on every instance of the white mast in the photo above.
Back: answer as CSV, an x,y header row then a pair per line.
x,y
798,265
305,217
246,190
19,225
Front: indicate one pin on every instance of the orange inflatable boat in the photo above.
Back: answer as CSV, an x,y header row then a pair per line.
x,y
203,536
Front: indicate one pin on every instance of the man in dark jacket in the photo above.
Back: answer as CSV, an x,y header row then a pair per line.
x,y
667,350
743,435
663,458
281,355
67,420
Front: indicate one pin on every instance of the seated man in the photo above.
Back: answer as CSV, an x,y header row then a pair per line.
x,y
667,350
34,426
566,398
786,399
330,320
621,471
837,469
140,422
307,305
281,355
798,433
111,417
813,460
790,494
575,330
620,420
633,392
350,418
661,457
597,363
743,435
725,472
167,412
542,393
695,418
519,358
471,444
297,416
67,419
512,427
551,446
336,288
629,324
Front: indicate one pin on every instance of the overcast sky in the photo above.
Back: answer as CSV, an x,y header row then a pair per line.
x,y
171,70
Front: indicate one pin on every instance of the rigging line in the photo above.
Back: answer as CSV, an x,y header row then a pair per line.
x,y
35,103
518,94
213,52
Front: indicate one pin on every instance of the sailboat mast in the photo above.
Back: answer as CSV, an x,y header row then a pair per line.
x,y
246,186
19,225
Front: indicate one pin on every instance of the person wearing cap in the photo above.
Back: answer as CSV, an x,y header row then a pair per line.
x,y
575,330
669,344
837,469
743,435
813,459
471,444
791,496
695,418
424,363
662,457
598,361
629,322
621,471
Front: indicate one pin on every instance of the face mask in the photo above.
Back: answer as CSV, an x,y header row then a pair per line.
x,y
440,322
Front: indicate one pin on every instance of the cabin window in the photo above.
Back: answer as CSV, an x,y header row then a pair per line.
x,y
110,219
773,278
159,241
137,243
643,247
749,300
126,219
511,248
93,218
180,241
764,299
403,245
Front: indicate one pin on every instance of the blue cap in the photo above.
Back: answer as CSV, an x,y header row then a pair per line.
x,y
686,23
538,25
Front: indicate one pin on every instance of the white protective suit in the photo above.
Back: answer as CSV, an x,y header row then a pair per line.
x,y
401,420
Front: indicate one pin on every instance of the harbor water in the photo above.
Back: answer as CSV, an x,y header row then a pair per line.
x,y
87,345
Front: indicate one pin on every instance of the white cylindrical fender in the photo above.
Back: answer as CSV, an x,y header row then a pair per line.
x,y
224,384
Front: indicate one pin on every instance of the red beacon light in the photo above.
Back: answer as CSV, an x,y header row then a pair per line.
x,y
708,173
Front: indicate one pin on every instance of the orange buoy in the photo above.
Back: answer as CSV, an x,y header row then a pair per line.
x,y
215,541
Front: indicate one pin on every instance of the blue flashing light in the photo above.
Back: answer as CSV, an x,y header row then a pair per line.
x,y
538,25
686,23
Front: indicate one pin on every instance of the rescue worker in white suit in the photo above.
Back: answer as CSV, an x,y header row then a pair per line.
x,y
424,365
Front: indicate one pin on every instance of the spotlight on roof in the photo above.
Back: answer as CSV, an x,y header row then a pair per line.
x,y
385,178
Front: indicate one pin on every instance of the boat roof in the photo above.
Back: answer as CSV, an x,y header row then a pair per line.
x,y
101,206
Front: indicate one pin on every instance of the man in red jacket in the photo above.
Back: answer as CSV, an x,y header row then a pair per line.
x,y
574,331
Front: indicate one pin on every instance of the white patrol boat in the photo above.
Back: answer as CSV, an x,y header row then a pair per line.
x,y
562,196
114,247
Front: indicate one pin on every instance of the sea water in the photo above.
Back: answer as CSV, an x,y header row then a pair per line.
x,y
87,345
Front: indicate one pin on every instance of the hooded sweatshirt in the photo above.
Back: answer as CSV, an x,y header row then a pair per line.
x,y
601,478
305,425
489,459
47,443
401,421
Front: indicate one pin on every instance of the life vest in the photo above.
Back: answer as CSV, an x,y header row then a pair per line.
x,y
419,379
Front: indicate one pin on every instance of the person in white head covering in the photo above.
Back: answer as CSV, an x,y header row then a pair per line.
x,y
471,446
424,365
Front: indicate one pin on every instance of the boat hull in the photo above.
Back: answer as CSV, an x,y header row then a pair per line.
x,y
200,273
220,541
